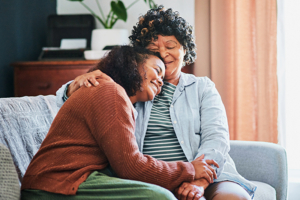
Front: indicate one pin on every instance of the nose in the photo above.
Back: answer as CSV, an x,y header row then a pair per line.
x,y
160,82
163,53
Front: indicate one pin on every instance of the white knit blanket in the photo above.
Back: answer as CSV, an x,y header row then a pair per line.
x,y
24,123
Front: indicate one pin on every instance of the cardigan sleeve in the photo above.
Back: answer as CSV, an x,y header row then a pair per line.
x,y
111,121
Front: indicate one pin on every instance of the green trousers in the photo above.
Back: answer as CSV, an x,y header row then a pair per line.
x,y
101,185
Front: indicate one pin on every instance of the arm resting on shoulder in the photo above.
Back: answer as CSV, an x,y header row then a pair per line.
x,y
61,94
87,79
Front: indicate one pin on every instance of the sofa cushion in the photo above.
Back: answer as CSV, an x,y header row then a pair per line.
x,y
24,123
264,191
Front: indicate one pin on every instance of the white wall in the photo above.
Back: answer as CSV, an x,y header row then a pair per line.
x,y
184,7
288,53
292,81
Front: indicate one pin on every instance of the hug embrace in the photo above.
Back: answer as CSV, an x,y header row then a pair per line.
x,y
140,129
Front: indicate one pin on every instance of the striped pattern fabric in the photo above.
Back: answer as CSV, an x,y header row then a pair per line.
x,y
160,140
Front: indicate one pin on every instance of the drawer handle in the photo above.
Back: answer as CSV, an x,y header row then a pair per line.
x,y
44,86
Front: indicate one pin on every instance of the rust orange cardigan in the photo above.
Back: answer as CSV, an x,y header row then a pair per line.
x,y
94,128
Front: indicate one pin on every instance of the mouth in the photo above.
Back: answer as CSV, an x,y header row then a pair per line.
x,y
157,88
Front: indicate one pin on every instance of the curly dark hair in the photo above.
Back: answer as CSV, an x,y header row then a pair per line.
x,y
122,65
158,21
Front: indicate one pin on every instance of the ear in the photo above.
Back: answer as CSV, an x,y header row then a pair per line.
x,y
184,53
184,50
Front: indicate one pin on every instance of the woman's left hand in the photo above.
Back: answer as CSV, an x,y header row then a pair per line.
x,y
188,191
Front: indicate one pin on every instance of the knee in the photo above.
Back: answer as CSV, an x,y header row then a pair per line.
x,y
227,191
232,196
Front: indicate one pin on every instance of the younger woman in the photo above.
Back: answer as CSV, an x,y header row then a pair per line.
x,y
94,132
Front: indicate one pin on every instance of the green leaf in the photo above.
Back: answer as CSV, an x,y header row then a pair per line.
x,y
151,3
119,10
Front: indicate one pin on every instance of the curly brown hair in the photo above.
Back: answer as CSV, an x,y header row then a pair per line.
x,y
122,65
158,21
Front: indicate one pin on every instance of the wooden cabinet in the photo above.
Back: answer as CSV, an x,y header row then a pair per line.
x,y
46,77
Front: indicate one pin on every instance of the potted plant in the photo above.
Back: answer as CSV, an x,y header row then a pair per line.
x,y
109,36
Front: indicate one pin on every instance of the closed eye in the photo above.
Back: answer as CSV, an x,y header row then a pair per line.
x,y
157,70
154,50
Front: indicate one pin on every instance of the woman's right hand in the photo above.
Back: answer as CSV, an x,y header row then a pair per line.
x,y
204,170
88,80
188,191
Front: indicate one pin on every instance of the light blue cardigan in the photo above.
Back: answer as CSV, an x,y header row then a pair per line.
x,y
200,123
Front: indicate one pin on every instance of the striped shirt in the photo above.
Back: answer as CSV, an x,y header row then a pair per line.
x,y
161,141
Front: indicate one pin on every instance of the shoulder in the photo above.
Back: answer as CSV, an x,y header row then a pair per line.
x,y
194,81
105,90
106,94
113,95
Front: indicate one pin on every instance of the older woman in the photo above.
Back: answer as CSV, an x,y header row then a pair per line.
x,y
188,119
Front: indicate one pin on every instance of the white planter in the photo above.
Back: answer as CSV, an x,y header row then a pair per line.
x,y
104,37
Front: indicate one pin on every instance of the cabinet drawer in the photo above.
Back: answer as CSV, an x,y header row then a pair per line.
x,y
43,81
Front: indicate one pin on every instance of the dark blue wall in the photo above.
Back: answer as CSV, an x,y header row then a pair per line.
x,y
23,29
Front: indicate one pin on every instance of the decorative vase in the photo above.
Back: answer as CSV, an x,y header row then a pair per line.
x,y
105,37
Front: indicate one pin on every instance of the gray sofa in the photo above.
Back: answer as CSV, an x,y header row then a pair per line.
x,y
25,121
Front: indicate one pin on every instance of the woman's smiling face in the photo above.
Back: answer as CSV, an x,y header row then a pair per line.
x,y
152,71
172,53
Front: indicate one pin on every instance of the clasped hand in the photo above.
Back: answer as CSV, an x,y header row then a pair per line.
x,y
204,175
203,169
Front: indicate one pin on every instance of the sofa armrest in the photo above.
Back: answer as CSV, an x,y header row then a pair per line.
x,y
9,182
262,161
